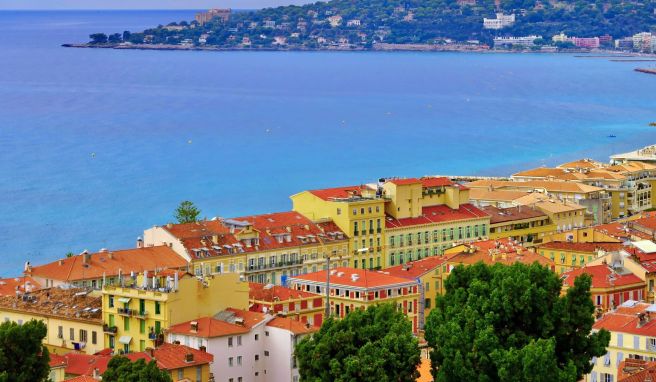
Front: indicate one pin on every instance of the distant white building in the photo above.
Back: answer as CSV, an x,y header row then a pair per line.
x,y
353,23
525,41
269,24
247,346
501,21
643,41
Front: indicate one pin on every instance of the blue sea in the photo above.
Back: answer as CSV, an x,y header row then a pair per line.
x,y
97,145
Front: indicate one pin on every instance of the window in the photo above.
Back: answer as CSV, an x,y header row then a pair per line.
x,y
355,211
620,339
339,211
199,373
94,337
180,374
239,360
230,361
257,336
60,331
427,303
111,301
257,357
157,307
126,323
229,342
238,340
266,353
72,334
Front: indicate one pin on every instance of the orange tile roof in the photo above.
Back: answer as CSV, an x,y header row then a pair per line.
x,y
172,356
404,181
214,238
293,326
493,251
636,370
109,263
601,277
495,195
71,303
548,185
8,287
625,320
426,182
208,327
417,268
81,378
582,247
437,214
251,319
646,222
271,293
339,192
502,215
582,163
342,276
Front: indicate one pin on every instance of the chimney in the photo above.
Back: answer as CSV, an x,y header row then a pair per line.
x,y
169,225
189,357
95,374
215,239
203,349
194,326
86,258
111,255
61,262
151,352
140,242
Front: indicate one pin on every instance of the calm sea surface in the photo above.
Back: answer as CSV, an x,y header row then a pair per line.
x,y
96,145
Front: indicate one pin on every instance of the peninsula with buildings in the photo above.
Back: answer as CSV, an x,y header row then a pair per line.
x,y
467,25
228,299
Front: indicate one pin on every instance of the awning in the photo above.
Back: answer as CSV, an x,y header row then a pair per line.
x,y
124,300
125,340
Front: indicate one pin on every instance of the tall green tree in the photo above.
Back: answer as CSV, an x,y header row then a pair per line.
x,y
121,369
98,38
23,358
187,212
373,345
510,323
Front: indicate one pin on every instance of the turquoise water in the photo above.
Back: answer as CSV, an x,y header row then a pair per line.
x,y
238,132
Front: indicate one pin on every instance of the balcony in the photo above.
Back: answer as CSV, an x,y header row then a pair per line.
x,y
126,312
271,266
141,314
109,329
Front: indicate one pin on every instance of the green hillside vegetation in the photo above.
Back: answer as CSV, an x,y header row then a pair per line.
x,y
396,21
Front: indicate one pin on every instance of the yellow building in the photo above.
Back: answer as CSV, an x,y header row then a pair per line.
x,y
73,317
521,223
136,315
397,220
628,184
264,248
426,272
359,212
568,255
595,199
632,328
352,288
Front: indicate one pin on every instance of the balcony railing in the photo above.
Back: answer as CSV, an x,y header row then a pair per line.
x,y
281,264
126,312
141,314
110,329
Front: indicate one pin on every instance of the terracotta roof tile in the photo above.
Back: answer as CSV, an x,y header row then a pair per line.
x,y
172,356
109,263
271,293
582,247
502,215
625,320
8,287
601,277
339,192
415,269
437,214
342,276
494,251
292,326
208,327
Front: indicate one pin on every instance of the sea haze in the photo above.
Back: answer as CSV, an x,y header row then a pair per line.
x,y
98,144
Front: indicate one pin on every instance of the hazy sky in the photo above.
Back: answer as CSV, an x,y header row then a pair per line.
x,y
142,4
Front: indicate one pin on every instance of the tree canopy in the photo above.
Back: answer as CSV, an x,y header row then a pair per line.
x,y
373,345
121,369
23,358
510,323
187,212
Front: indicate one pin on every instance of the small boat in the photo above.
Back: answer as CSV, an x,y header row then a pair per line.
x,y
612,136
652,124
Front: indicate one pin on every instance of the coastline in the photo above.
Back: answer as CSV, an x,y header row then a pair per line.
x,y
383,47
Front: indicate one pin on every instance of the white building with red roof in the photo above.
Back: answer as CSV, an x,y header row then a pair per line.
x,y
247,346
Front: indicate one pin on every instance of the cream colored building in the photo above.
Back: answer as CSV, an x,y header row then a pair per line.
x,y
73,317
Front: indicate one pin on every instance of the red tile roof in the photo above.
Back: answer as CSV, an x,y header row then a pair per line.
x,y
646,222
8,287
427,182
84,364
57,360
208,327
621,231
494,251
172,356
415,269
214,238
582,247
405,181
339,192
636,370
437,214
601,277
625,320
81,378
109,263
342,276
293,326
251,319
271,293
